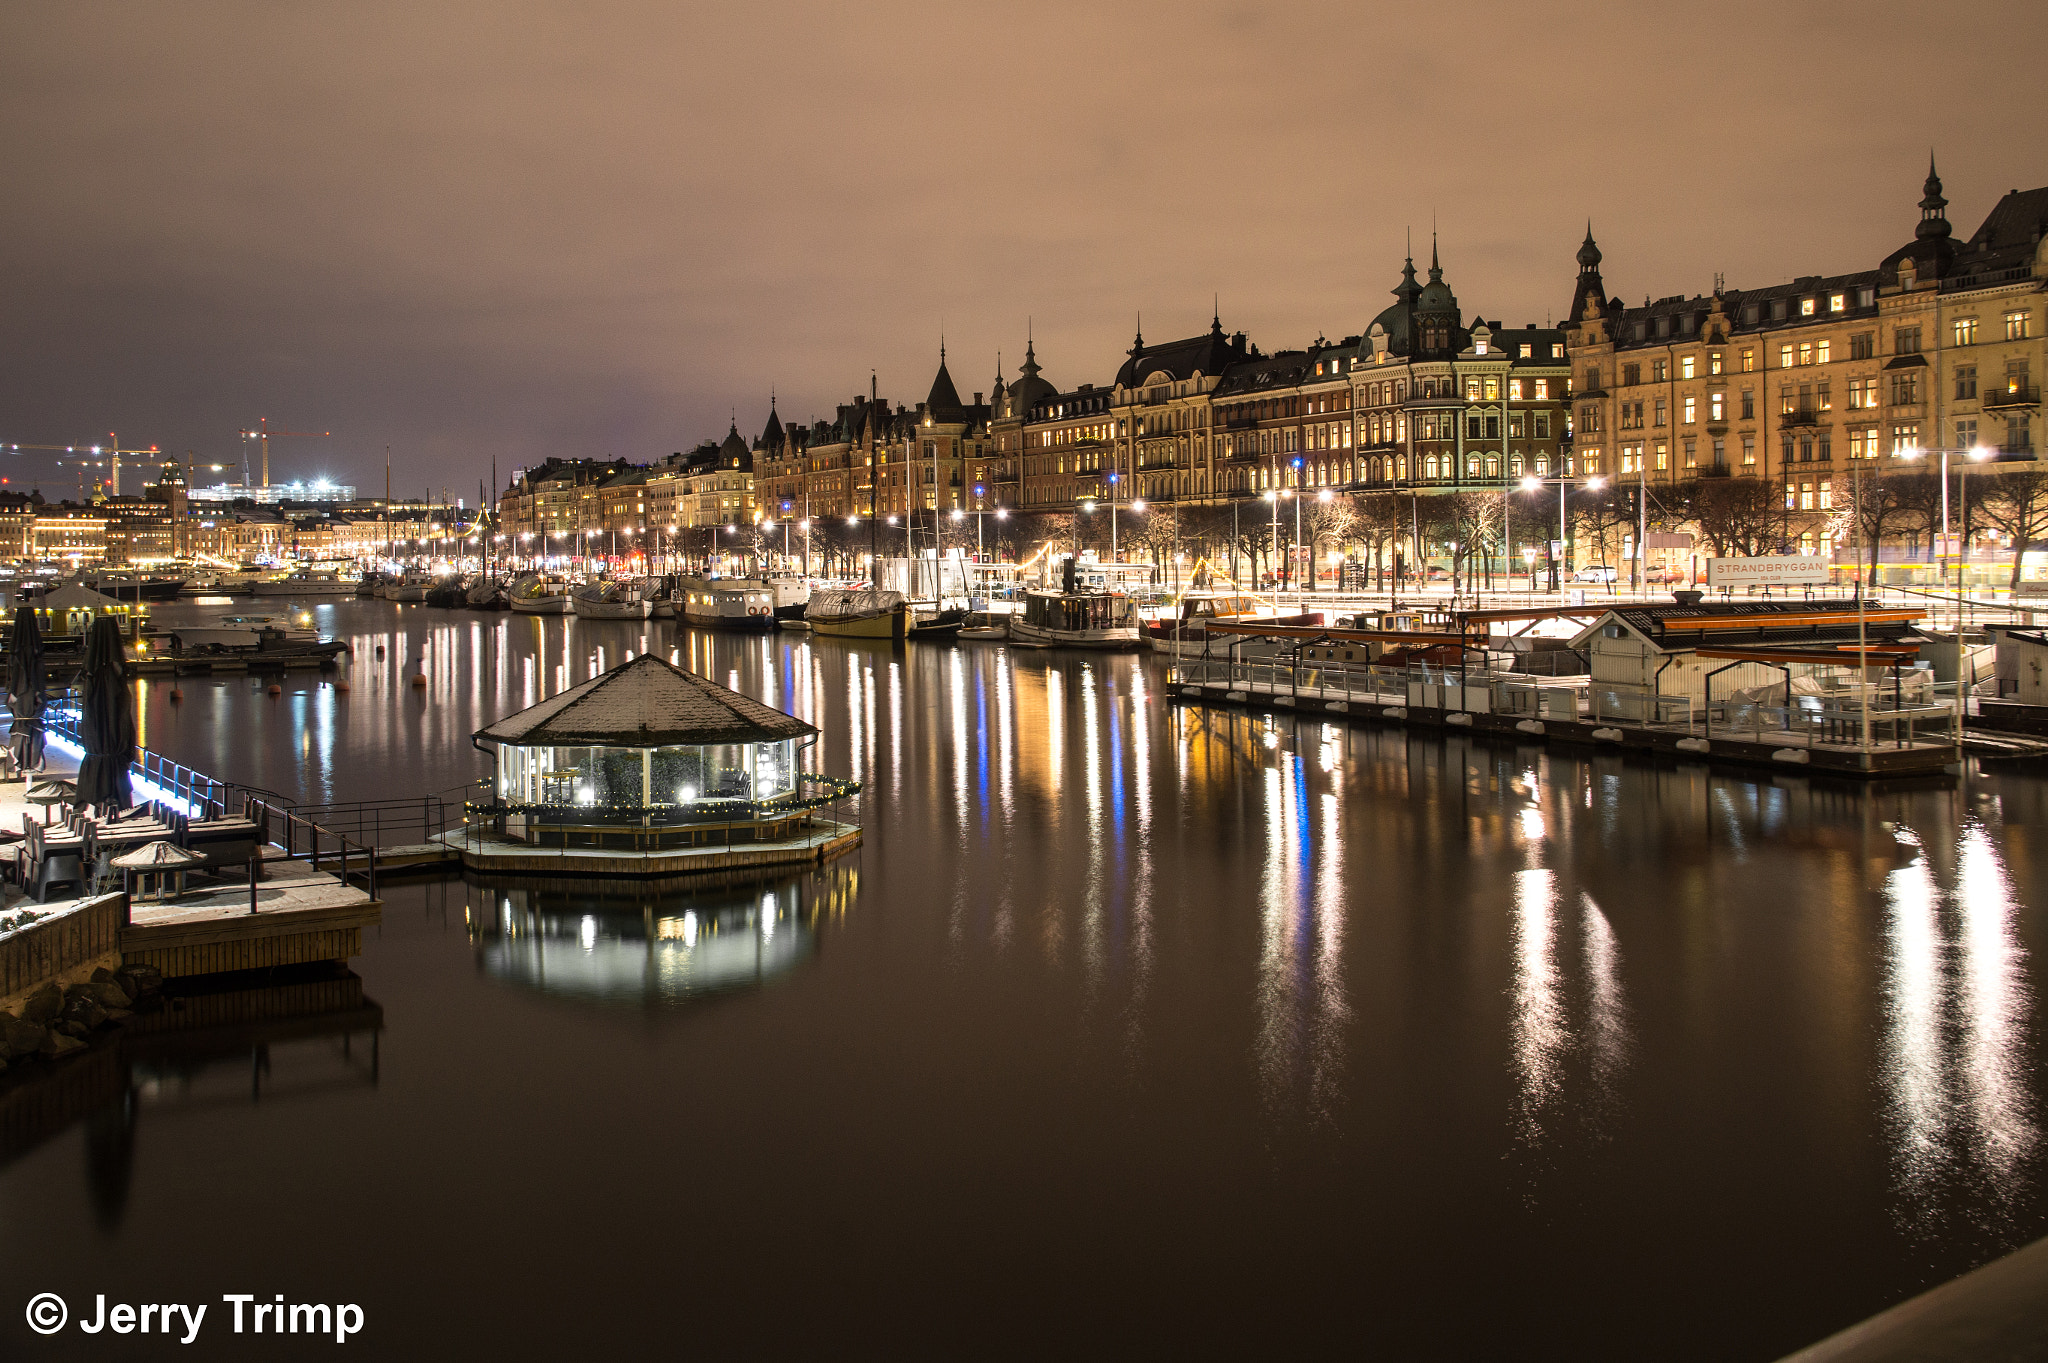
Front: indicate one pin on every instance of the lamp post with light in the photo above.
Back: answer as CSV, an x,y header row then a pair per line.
x,y
1532,484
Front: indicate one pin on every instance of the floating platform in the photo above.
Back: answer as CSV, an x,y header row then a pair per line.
x,y
1757,749
495,855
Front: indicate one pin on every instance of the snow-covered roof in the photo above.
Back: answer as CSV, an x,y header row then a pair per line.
x,y
646,702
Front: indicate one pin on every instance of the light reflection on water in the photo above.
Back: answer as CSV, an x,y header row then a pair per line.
x,y
1956,1053
1417,959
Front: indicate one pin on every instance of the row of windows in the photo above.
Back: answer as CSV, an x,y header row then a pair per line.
x,y
2019,326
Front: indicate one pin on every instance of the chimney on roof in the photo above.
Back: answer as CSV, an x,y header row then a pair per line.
x,y
977,397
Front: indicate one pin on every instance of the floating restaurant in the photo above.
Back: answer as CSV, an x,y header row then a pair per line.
x,y
649,769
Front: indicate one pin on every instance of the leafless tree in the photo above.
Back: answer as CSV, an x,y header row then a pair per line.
x,y
1737,517
2016,505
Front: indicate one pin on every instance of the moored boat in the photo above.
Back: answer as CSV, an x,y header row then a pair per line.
x,y
1077,620
859,614
610,601
982,627
533,594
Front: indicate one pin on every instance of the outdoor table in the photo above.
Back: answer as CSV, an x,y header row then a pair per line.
x,y
160,859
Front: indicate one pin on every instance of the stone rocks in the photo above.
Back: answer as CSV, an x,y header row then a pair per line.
x,y
59,1045
56,1022
139,981
108,995
82,1008
19,1038
43,1005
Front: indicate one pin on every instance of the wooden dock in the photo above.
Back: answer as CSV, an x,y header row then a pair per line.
x,y
301,916
1762,748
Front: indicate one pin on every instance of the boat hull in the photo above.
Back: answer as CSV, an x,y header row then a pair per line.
x,y
1120,637
891,624
306,587
542,605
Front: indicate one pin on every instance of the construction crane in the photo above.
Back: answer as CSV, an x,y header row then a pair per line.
x,y
263,434
111,448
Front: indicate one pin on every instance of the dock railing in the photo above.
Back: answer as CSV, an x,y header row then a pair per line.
x,y
1901,713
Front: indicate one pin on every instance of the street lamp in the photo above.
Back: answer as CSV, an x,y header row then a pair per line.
x,y
1532,484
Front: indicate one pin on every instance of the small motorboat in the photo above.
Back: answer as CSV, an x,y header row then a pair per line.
x,y
983,627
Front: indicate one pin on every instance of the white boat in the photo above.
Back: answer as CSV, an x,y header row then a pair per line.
x,y
306,582
792,595
533,594
610,601
727,603
412,587
1077,620
232,632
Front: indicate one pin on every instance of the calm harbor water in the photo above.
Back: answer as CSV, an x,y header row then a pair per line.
x,y
1129,1028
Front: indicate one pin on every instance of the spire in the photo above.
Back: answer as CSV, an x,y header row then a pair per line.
x,y
1436,271
1589,253
1933,223
1215,314
1139,344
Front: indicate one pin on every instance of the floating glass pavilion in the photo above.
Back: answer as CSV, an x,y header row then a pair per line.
x,y
648,756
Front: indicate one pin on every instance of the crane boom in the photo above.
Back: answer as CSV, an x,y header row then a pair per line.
x,y
262,435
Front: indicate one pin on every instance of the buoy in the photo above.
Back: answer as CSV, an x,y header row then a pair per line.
x,y
380,650
176,694
341,685
276,690
419,679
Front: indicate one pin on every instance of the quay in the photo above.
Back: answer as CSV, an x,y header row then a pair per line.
x,y
282,889
1812,685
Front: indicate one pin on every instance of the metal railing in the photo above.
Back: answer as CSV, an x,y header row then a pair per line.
x,y
371,821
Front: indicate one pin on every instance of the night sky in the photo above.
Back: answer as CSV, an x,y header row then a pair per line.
x,y
519,230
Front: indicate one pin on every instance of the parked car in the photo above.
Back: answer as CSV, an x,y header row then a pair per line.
x,y
1597,572
1665,575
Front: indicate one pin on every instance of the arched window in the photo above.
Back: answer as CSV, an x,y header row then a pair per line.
x,y
1429,467
1492,467
1515,467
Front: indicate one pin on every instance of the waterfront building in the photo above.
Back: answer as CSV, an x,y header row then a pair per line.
x,y
1440,405
1934,348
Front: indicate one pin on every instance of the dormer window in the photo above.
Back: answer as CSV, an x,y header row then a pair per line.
x,y
1807,307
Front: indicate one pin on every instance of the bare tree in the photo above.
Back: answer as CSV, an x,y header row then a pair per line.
x,y
1880,509
1738,517
2016,505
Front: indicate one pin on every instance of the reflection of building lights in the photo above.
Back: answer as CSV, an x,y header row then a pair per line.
x,y
689,929
588,934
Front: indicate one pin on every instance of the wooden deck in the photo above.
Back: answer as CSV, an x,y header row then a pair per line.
x,y
302,915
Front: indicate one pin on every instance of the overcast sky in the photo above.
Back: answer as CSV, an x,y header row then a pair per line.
x,y
516,230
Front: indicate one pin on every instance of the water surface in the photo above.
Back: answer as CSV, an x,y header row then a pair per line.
x,y
1129,1028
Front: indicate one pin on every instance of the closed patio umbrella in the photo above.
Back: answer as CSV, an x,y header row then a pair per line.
x,y
27,688
106,720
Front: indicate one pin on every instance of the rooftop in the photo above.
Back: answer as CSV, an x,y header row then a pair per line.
x,y
646,702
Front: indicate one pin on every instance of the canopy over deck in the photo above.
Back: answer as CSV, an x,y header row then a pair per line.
x,y
646,702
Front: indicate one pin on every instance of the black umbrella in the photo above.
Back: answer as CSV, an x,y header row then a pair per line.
x,y
27,687
106,720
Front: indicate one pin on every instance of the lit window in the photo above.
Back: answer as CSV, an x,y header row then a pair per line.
x,y
1965,331
1690,412
2018,326
1784,357
1748,361
1685,367
1714,363
1805,353
1528,352
1837,302
1542,389
1806,307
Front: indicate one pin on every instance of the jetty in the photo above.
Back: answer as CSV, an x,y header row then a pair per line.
x,y
256,885
1823,686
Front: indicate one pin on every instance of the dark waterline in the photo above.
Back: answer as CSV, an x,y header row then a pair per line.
x,y
1129,1028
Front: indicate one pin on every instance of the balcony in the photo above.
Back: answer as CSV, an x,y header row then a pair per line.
x,y
2012,395
1799,416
